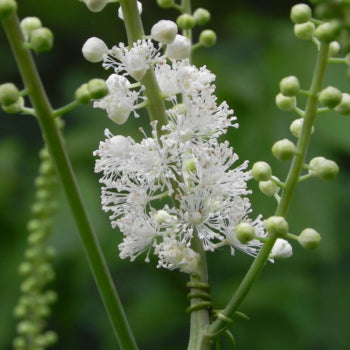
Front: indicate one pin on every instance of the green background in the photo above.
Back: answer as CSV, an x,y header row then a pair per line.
x,y
299,303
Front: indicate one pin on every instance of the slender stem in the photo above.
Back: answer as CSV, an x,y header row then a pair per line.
x,y
59,156
290,184
65,109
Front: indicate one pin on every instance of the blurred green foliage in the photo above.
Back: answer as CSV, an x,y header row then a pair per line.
x,y
301,303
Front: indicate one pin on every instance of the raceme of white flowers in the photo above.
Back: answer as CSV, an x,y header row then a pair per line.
x,y
182,183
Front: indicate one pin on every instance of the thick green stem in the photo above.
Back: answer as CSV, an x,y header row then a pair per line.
x,y
59,156
290,184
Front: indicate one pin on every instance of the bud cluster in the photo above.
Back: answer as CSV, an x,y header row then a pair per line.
x,y
10,98
93,90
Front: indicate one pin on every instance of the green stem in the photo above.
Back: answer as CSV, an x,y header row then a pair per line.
x,y
59,156
65,109
290,184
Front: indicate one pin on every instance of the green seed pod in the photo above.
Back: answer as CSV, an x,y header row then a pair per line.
x,y
165,3
304,31
245,232
97,88
344,106
327,31
185,21
201,16
330,97
284,149
277,225
41,39
285,103
323,168
82,94
9,94
28,24
207,38
289,86
269,188
300,13
309,239
7,8
261,171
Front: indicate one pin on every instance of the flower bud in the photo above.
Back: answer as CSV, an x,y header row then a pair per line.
x,y
164,31
245,232
186,21
165,3
281,250
120,10
323,168
179,49
285,103
162,216
7,8
296,127
300,13
190,165
284,149
41,39
94,49
344,106
28,24
330,97
277,225
14,107
304,31
82,94
201,16
327,31
97,88
309,239
289,86
347,59
95,5
269,188
207,38
9,94
334,49
261,171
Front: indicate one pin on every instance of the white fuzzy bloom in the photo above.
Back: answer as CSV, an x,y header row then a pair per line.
x,y
164,31
179,49
95,5
120,11
94,49
281,250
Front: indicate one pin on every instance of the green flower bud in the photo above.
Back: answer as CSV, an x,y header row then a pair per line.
x,y
296,127
207,38
82,94
94,49
347,59
334,49
344,106
304,31
165,3
330,97
269,188
29,284
25,268
284,149
289,86
9,94
36,237
7,8
300,13
20,311
41,39
277,225
27,327
324,168
285,103
190,165
201,16
97,88
28,24
261,171
245,232
14,107
51,296
185,21
309,239
50,337
19,343
327,31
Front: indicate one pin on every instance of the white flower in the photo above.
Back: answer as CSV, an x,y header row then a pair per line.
x,y
120,11
120,101
94,49
180,48
164,31
281,249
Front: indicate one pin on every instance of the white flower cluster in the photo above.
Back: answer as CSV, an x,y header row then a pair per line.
x,y
183,184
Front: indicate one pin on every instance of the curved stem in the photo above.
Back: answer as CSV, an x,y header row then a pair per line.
x,y
59,156
290,184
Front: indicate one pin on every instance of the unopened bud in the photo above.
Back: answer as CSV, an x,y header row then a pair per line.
x,y
207,38
281,250
327,31
300,13
165,3
41,39
330,97
283,149
323,168
304,31
28,24
120,10
190,165
334,49
245,232
94,49
14,107
296,127
309,239
82,94
201,16
9,94
277,225
344,106
97,88
7,8
164,31
261,171
179,49
95,5
289,86
186,21
269,188
285,103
